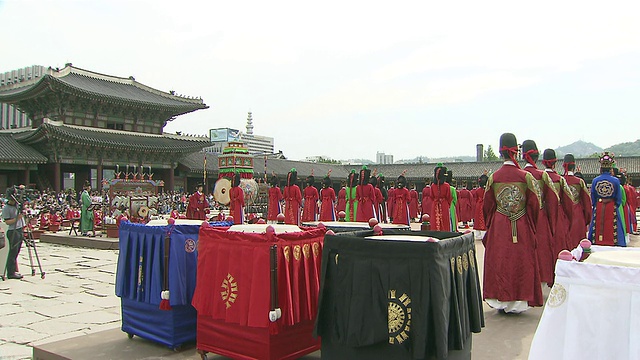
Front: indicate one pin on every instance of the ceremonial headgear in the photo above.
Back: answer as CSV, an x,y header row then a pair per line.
x,y
509,147
439,174
236,179
326,181
273,181
365,174
401,182
310,180
607,160
569,163
549,158
352,179
530,151
292,177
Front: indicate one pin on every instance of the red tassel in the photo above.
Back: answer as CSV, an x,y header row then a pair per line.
x,y
164,304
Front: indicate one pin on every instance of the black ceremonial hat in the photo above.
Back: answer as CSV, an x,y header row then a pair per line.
x,y
549,154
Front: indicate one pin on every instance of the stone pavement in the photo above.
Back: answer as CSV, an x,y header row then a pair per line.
x,y
76,299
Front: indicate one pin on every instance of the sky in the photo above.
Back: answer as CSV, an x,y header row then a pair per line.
x,y
347,79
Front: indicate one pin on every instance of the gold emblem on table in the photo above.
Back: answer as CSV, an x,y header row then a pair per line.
x,y
229,291
557,296
459,264
399,317
287,252
316,249
472,260
306,250
296,252
465,262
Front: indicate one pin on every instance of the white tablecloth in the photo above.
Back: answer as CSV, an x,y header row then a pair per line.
x,y
593,312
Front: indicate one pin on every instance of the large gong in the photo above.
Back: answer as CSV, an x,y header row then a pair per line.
x,y
221,191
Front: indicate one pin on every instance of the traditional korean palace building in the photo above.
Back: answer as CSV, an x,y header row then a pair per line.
x,y
84,122
91,125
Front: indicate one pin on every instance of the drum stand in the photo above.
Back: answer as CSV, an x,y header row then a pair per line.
x,y
31,244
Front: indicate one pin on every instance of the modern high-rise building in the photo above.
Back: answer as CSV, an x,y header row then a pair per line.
x,y
256,144
11,117
382,158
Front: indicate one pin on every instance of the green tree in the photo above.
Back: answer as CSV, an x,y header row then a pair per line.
x,y
489,155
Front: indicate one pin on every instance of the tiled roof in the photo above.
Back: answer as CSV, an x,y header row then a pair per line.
x,y
12,151
590,167
112,89
112,139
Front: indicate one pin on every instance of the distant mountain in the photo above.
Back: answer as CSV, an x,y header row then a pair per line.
x,y
578,149
625,149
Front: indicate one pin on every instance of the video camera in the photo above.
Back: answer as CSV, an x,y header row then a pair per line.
x,y
17,194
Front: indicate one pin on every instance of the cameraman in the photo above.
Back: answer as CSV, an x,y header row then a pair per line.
x,y
14,219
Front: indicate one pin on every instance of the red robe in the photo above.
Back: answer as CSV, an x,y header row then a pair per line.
x,y
465,204
510,265
44,221
310,210
292,203
198,206
632,201
413,204
478,216
380,213
390,202
427,203
342,200
578,210
365,194
275,196
441,210
545,225
236,204
327,210
562,221
401,199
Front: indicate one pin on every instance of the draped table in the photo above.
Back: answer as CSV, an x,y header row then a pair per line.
x,y
593,309
248,274
342,226
403,295
141,276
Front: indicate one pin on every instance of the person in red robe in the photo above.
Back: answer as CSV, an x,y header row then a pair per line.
x,y
236,200
578,210
465,205
311,197
175,214
545,224
198,205
630,191
401,198
352,201
391,200
414,203
511,206
44,219
561,227
426,205
365,194
342,198
441,199
275,200
327,200
378,199
479,226
382,186
292,199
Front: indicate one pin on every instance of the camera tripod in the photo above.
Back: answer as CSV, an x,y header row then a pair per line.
x,y
30,243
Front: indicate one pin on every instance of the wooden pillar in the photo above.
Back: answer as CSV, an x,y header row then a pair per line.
x,y
26,177
171,180
99,175
57,177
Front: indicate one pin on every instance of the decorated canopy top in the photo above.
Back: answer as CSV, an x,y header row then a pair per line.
x,y
235,158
